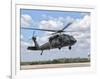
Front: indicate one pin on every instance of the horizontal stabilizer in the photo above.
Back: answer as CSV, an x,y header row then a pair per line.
x,y
32,48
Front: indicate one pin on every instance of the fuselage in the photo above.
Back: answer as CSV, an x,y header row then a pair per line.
x,y
56,41
59,41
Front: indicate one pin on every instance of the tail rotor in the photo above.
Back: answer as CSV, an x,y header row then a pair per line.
x,y
33,36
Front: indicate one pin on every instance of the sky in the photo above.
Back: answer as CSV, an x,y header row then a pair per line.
x,y
48,19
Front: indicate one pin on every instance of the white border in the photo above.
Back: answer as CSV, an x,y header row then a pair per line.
x,y
16,73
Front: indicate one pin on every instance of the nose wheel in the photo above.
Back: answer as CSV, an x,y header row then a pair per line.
x,y
70,47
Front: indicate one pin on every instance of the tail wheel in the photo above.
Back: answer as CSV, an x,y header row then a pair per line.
x,y
70,47
33,37
41,52
59,48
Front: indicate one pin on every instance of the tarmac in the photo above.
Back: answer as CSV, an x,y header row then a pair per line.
x,y
65,65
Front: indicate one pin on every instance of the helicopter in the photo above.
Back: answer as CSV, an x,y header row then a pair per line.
x,y
58,40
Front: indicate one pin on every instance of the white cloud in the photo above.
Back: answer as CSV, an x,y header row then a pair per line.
x,y
55,23
81,31
81,27
85,22
80,24
43,39
50,24
23,43
68,19
26,20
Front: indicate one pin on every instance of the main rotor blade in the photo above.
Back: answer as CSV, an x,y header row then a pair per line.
x,y
67,25
58,32
39,29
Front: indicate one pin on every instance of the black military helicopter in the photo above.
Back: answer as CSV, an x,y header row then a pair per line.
x,y
57,40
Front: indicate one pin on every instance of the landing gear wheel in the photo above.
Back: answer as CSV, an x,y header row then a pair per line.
x,y
41,54
59,48
70,47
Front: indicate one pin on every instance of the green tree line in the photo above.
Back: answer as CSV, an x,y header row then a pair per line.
x,y
57,61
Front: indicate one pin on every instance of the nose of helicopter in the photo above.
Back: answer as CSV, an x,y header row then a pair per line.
x,y
74,41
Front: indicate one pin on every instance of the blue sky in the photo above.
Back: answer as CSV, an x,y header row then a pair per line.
x,y
54,20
